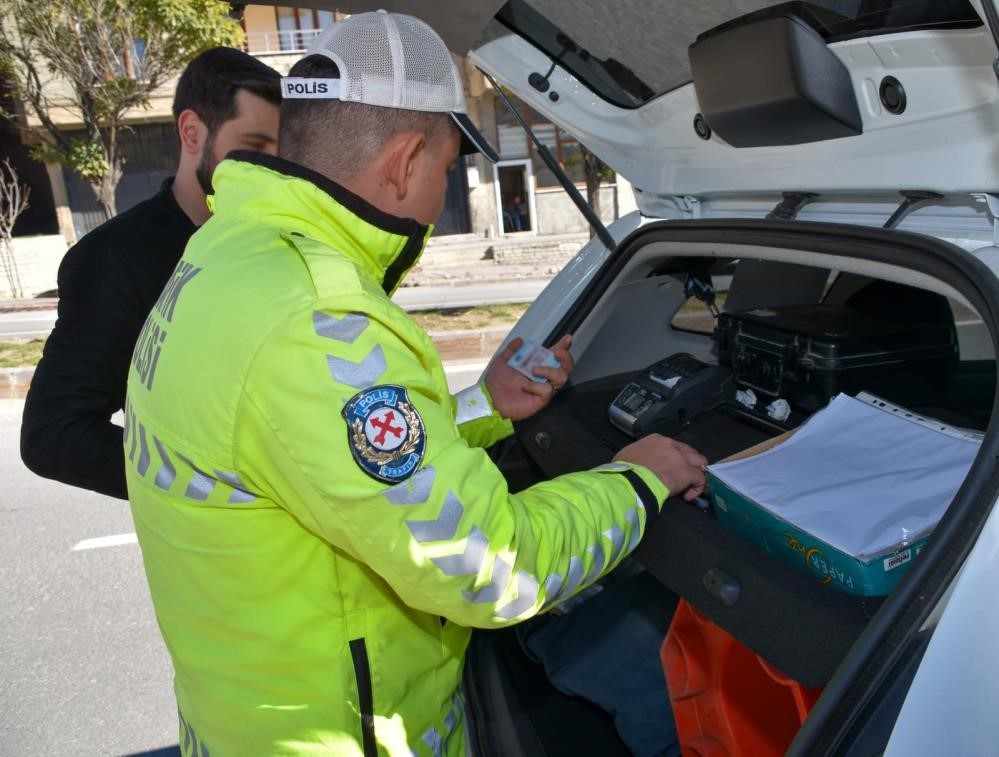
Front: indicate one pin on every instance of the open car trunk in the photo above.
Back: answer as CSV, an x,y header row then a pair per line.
x,y
862,649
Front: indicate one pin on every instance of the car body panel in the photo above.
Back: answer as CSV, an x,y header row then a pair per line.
x,y
953,107
949,707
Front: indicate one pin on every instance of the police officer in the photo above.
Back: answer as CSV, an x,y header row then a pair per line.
x,y
320,525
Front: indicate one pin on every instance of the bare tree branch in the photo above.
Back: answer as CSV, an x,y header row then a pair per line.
x,y
13,202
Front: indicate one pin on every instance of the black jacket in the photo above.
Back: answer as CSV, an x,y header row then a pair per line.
x,y
108,283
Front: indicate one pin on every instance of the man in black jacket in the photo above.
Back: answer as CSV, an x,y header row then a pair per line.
x,y
110,280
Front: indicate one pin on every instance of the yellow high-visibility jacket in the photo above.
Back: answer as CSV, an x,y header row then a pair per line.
x,y
319,522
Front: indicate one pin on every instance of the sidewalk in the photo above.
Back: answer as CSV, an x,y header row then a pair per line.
x,y
451,260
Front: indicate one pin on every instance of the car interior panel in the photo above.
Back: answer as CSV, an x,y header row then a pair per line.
x,y
643,366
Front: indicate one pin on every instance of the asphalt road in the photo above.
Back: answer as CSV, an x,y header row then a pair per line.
x,y
26,325
83,668
38,324
82,664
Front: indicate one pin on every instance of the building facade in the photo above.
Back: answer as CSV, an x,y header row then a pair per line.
x,y
518,198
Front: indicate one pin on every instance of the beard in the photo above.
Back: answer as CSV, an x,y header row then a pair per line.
x,y
206,166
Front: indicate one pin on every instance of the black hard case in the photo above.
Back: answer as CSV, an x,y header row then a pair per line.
x,y
809,353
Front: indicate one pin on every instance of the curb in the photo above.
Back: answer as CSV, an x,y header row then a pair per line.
x,y
14,382
470,344
28,305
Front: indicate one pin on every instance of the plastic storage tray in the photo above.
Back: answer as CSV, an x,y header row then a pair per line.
x,y
728,701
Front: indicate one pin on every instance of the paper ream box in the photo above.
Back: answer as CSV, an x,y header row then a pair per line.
x,y
830,566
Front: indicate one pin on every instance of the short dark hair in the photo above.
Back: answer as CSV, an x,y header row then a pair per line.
x,y
209,84
339,138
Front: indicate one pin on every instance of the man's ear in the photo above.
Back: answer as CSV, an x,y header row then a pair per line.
x,y
193,132
401,156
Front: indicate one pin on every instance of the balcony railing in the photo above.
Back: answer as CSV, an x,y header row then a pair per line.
x,y
280,41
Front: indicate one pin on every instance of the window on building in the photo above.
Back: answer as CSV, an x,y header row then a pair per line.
x,y
514,143
298,26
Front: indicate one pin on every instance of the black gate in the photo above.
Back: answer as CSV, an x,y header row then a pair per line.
x,y
454,218
151,152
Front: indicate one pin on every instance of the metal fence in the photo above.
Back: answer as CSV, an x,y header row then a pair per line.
x,y
279,41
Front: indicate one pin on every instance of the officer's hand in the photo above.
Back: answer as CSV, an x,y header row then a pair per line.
x,y
679,466
517,397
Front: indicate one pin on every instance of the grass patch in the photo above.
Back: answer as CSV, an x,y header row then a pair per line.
x,y
16,354
457,319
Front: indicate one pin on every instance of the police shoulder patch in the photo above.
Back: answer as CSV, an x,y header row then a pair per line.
x,y
385,433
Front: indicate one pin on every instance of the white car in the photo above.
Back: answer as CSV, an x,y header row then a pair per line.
x,y
833,167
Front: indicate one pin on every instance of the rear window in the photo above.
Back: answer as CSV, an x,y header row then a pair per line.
x,y
630,51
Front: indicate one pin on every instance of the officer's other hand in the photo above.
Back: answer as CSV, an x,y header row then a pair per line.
x,y
679,466
517,397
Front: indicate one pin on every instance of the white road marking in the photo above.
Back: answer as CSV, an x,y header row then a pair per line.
x,y
106,541
459,367
37,333
38,315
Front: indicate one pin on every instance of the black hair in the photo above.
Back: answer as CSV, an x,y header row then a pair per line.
x,y
209,84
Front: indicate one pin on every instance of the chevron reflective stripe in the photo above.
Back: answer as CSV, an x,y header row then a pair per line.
x,y
633,518
134,436
200,486
613,467
527,597
615,535
562,588
128,424
358,375
417,491
435,741
441,528
552,585
345,329
414,491
191,747
239,495
450,722
468,562
166,475
437,738
143,464
472,404
597,551
493,590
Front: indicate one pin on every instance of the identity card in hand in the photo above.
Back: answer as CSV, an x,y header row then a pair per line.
x,y
531,355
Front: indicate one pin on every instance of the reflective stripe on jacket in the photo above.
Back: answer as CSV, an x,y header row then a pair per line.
x,y
313,597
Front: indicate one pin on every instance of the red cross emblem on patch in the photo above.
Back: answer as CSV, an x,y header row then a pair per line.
x,y
385,433
386,429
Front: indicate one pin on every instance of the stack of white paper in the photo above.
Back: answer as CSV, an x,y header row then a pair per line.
x,y
863,478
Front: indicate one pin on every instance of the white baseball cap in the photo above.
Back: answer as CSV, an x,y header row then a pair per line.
x,y
390,60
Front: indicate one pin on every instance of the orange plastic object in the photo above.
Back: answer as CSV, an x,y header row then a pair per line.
x,y
727,701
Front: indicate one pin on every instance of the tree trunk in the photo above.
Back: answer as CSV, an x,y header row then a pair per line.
x,y
104,189
10,270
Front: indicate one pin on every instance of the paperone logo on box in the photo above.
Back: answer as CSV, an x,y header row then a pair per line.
x,y
900,559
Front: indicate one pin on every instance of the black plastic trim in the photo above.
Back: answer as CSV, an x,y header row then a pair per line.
x,y
365,697
795,91
649,500
872,658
